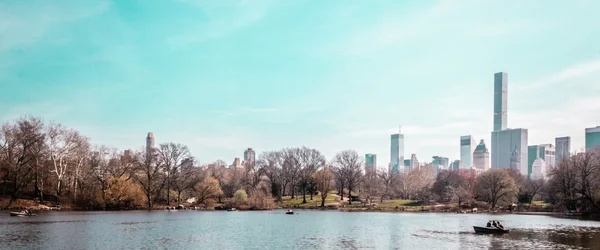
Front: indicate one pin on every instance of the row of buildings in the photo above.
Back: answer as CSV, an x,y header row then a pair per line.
x,y
509,146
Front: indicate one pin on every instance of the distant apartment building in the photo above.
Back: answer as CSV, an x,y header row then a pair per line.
x,y
187,163
414,162
370,163
237,163
455,165
150,142
467,146
440,162
592,138
546,152
539,169
249,157
481,157
397,152
563,148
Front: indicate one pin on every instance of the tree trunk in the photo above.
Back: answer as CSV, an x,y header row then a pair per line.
x,y
349,196
342,192
178,197
303,195
168,190
311,196
323,200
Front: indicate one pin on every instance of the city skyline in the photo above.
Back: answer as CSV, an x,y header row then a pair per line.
x,y
222,77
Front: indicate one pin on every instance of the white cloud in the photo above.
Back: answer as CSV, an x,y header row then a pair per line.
x,y
565,76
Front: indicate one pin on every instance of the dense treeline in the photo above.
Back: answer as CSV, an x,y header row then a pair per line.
x,y
53,164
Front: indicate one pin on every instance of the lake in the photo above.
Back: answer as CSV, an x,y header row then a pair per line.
x,y
274,230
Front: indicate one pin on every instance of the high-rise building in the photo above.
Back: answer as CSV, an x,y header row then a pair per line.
x,y
467,146
249,156
481,157
508,144
455,165
370,163
237,163
397,152
440,162
500,100
149,142
414,162
187,163
563,148
592,138
545,152
539,169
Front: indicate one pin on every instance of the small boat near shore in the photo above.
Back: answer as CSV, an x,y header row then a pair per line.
x,y
231,209
489,230
289,212
22,214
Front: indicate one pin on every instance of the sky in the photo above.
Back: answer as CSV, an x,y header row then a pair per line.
x,y
220,76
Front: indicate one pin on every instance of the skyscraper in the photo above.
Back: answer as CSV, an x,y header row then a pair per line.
x,y
563,148
149,142
545,152
440,162
592,138
467,146
507,143
249,156
397,152
414,162
500,100
370,163
481,157
509,146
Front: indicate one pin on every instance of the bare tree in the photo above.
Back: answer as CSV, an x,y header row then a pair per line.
x,y
371,187
349,164
496,185
324,179
310,161
290,169
147,172
207,188
65,147
172,156
389,180
21,146
269,164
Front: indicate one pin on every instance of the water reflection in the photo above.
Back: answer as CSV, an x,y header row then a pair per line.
x,y
308,230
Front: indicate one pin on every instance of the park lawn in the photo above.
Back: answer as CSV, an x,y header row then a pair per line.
x,y
289,202
540,203
397,203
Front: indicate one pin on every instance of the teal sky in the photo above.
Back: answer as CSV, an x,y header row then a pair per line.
x,y
221,76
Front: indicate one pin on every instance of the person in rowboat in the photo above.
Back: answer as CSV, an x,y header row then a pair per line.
x,y
500,225
489,224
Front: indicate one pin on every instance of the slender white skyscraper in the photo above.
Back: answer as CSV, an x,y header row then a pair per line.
x,y
500,100
397,152
149,142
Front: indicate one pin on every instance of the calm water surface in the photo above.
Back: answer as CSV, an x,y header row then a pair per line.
x,y
274,230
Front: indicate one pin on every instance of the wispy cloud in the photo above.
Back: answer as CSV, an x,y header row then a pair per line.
x,y
568,75
26,24
223,19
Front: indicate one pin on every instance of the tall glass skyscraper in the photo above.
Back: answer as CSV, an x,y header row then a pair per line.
x,y
370,163
467,147
397,152
563,148
592,138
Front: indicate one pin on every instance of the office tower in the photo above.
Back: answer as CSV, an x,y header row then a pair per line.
x,y
481,157
455,165
510,146
545,152
149,142
414,162
563,148
407,163
440,162
370,163
397,152
237,163
500,100
249,156
592,138
467,146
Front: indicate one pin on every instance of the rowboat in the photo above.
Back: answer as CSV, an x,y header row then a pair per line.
x,y
289,212
21,214
489,230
